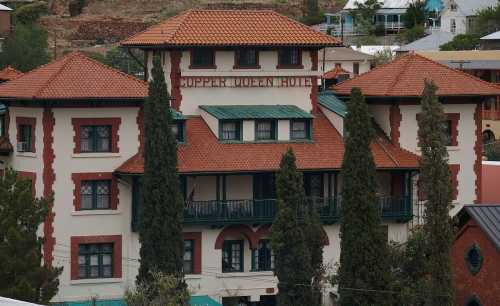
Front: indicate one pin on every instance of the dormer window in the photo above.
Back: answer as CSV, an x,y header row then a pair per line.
x,y
289,58
178,130
202,58
246,58
265,130
300,129
230,130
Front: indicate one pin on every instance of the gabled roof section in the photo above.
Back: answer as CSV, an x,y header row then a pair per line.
x,y
405,77
9,73
335,72
430,42
492,36
488,218
227,112
230,28
74,77
328,100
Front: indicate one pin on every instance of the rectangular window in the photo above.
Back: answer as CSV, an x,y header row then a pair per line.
x,y
188,256
95,138
178,130
299,129
313,185
95,194
265,260
289,58
447,125
453,25
265,130
202,58
355,68
232,256
230,130
247,58
264,186
95,260
26,138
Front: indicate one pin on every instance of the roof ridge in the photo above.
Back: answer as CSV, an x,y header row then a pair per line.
x,y
400,73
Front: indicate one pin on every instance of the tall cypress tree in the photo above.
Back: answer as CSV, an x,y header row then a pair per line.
x,y
315,243
288,238
161,212
435,177
364,268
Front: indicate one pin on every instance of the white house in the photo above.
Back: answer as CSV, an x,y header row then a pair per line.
x,y
458,16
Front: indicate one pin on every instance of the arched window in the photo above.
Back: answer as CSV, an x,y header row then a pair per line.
x,y
473,301
474,259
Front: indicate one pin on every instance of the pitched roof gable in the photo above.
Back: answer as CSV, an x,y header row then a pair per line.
x,y
230,28
405,77
74,76
487,217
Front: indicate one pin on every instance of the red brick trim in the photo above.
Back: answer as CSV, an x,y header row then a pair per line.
x,y
454,170
115,125
478,148
314,94
91,176
237,59
140,125
314,60
26,175
175,78
49,176
27,121
117,252
395,119
196,237
234,230
214,66
298,66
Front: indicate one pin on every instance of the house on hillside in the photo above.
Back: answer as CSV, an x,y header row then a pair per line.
x,y
458,15
353,61
475,255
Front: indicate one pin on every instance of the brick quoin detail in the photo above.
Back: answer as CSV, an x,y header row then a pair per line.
x,y
116,240
93,176
478,148
196,237
113,122
49,176
26,175
314,94
27,121
395,118
175,78
140,125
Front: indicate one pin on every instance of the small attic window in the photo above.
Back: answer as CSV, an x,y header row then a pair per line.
x,y
473,301
474,259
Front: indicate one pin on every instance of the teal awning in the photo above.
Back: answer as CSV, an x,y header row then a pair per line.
x,y
3,108
203,300
329,101
227,112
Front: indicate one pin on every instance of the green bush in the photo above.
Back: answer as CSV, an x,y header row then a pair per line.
x,y
410,35
461,42
30,13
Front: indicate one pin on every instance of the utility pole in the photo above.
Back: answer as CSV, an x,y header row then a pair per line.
x,y
55,45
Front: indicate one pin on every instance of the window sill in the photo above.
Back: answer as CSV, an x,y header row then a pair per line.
x,y
26,154
202,67
290,67
448,148
95,281
96,212
246,67
95,155
244,274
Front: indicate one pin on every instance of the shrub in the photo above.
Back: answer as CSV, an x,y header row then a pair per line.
x,y
30,13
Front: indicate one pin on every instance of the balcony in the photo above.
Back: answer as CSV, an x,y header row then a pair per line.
x,y
226,212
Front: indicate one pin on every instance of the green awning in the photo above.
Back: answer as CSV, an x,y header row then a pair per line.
x,y
227,112
203,300
329,101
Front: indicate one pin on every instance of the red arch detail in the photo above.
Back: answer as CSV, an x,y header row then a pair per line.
x,y
244,230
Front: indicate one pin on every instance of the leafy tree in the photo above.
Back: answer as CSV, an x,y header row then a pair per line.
x,y
161,212
288,238
26,48
415,14
412,34
22,276
383,57
436,184
161,291
120,59
30,13
487,20
461,42
313,14
364,267
364,16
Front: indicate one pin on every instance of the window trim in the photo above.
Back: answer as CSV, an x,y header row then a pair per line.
x,y
274,130
191,58
100,263
94,193
196,238
237,55
116,240
239,126
289,66
31,121
79,122
308,130
242,255
94,176
474,270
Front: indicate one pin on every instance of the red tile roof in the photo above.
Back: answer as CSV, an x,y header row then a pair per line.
x,y
405,76
74,76
334,73
230,28
204,153
9,73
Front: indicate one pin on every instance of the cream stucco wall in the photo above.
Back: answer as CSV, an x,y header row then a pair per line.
x,y
381,115
283,130
336,120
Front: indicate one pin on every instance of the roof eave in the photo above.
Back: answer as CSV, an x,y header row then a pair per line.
x,y
183,46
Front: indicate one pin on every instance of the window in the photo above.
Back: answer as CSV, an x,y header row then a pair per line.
x,y
313,185
265,258
178,130
474,259
26,138
95,138
453,25
95,194
299,129
202,58
95,260
447,126
230,130
2,125
289,58
232,256
453,6
246,58
264,186
265,130
355,68
188,256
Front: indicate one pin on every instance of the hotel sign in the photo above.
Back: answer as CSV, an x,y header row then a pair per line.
x,y
245,81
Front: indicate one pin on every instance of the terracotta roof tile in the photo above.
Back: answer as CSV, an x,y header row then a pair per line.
x,y
74,76
334,73
405,76
230,28
9,73
204,153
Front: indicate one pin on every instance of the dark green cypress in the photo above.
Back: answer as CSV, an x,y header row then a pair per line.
x,y
161,212
435,178
364,268
315,242
288,238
